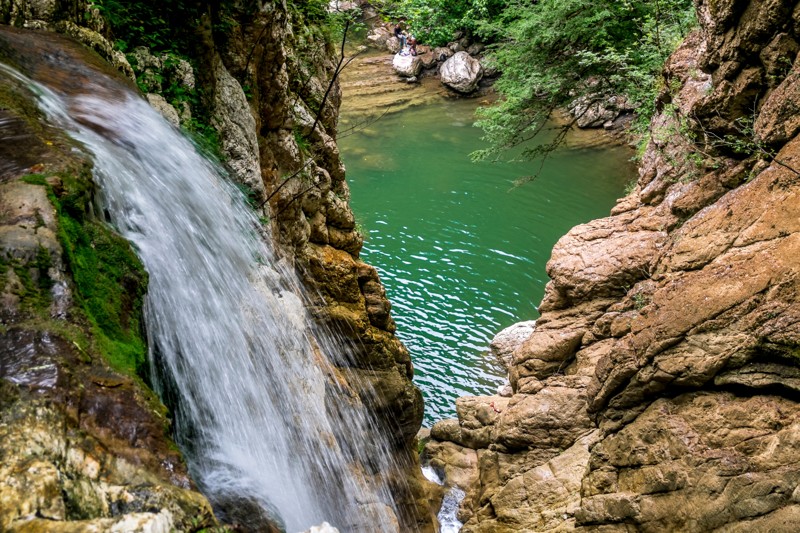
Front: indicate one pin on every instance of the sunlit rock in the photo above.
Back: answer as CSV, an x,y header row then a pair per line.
x,y
504,343
407,65
161,105
461,72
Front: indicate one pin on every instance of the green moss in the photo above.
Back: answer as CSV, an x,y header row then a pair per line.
x,y
18,100
421,445
34,179
28,290
42,263
3,272
34,281
110,281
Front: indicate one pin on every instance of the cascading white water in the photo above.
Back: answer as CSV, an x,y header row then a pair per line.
x,y
228,333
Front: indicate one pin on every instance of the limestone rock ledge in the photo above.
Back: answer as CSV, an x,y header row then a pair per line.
x,y
658,390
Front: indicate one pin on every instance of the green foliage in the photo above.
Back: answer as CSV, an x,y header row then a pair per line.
x,y
302,142
554,51
434,22
250,196
331,22
340,21
156,24
205,137
744,141
631,186
640,300
168,29
313,10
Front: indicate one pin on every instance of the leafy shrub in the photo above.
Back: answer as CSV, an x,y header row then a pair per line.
x,y
554,51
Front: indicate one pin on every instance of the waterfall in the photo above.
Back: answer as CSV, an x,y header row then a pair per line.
x,y
228,332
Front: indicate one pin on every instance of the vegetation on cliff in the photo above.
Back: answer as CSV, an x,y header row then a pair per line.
x,y
109,279
554,53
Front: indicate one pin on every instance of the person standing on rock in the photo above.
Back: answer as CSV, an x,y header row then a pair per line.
x,y
401,35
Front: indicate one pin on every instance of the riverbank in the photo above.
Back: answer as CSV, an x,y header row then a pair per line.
x,y
371,89
658,390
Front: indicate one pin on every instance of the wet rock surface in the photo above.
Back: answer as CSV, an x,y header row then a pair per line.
x,y
407,65
84,446
279,140
657,391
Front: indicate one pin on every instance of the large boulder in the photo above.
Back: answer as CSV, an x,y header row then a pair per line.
x,y
407,65
461,72
377,37
507,341
393,44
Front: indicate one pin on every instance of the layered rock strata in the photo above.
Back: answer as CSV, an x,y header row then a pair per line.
x,y
658,390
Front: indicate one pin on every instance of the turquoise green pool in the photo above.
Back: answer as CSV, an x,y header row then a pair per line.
x,y
461,253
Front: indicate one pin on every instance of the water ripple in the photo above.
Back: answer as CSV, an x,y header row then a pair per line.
x,y
462,257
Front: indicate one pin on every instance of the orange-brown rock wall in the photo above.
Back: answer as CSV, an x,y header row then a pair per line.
x,y
659,388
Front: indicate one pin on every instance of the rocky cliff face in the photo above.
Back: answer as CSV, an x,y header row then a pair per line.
x,y
279,56
278,140
658,390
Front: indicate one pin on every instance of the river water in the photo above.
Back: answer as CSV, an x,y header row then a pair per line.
x,y
462,253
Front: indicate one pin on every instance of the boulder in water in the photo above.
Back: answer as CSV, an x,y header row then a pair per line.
x,y
504,343
378,37
407,65
593,111
461,72
428,60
